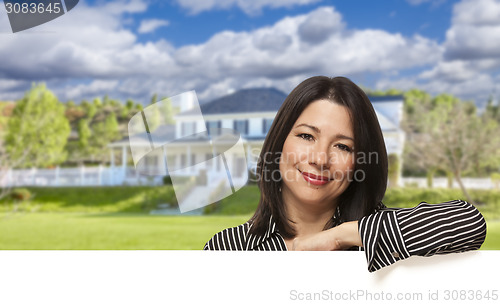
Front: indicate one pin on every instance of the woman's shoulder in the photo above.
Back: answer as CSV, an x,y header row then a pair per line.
x,y
234,238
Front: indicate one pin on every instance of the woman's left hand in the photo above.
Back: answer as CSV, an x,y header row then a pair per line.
x,y
341,237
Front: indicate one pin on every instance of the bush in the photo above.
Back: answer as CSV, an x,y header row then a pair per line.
x,y
167,180
20,194
495,179
394,169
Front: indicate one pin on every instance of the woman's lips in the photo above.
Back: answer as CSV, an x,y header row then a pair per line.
x,y
314,179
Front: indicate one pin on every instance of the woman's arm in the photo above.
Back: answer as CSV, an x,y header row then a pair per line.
x,y
343,236
391,235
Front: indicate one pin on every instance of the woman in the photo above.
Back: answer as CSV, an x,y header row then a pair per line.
x,y
322,176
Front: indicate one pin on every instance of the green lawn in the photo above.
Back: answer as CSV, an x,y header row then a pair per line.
x,y
492,241
127,231
122,199
118,217
100,231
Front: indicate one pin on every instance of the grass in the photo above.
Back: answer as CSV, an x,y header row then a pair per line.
x,y
118,217
492,241
128,231
101,231
132,199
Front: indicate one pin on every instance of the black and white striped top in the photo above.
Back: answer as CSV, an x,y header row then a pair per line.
x,y
389,235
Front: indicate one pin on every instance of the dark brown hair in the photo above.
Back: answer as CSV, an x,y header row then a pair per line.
x,y
362,196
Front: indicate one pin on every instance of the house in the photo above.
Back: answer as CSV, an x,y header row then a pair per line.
x,y
250,112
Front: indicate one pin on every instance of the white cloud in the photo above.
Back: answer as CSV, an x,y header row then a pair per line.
x,y
477,12
119,7
475,30
88,42
470,54
320,25
477,88
450,71
249,7
401,83
287,51
93,43
95,88
418,2
150,25
92,51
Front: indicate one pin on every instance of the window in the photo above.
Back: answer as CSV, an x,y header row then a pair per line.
x,y
241,126
266,125
188,128
213,127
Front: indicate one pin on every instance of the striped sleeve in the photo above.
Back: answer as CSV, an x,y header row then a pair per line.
x,y
454,226
391,235
382,239
229,239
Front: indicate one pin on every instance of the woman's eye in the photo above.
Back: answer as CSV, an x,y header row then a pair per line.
x,y
306,136
344,147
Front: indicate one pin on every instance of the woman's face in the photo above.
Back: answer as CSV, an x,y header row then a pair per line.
x,y
317,160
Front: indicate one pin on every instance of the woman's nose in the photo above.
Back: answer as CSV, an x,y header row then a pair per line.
x,y
320,157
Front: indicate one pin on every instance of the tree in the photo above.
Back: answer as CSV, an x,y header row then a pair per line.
x,y
104,132
447,134
388,92
154,98
38,129
84,134
89,108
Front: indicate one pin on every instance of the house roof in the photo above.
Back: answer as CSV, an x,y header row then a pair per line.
x,y
244,101
259,100
385,98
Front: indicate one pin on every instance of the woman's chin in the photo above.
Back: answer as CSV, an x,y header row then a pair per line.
x,y
318,201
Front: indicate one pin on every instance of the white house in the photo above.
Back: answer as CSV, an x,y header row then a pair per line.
x,y
250,112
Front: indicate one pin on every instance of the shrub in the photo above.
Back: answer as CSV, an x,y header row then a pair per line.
x,y
394,169
495,179
167,180
20,194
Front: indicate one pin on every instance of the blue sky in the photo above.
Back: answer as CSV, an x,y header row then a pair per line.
x,y
430,19
134,48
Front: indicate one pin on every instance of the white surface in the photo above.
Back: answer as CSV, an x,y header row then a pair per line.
x,y
236,277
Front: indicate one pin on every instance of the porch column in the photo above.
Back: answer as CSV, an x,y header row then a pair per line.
x,y
124,164
112,158
124,158
188,159
99,175
33,176
10,181
82,175
249,156
57,176
215,160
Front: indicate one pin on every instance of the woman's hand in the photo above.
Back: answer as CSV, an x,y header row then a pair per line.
x,y
337,238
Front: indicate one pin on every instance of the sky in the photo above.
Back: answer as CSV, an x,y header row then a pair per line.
x,y
135,48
